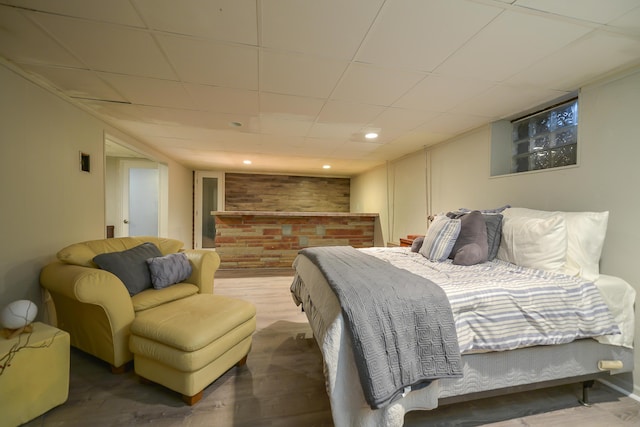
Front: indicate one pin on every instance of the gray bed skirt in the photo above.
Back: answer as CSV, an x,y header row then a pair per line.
x,y
487,374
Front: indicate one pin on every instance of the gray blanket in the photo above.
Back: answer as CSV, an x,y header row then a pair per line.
x,y
401,324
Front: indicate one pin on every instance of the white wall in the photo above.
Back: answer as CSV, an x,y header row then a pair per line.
x,y
606,178
397,192
46,201
369,195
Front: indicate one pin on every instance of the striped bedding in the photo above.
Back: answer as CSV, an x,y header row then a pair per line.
x,y
501,306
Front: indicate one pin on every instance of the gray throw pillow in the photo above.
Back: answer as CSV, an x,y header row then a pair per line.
x,y
169,269
471,247
470,254
494,229
494,233
417,244
130,266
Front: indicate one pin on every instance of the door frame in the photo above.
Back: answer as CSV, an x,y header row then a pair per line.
x,y
114,185
197,202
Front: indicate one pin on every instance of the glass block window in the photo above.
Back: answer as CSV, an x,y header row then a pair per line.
x,y
547,139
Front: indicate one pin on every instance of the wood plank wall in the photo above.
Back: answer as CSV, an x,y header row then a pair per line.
x,y
283,193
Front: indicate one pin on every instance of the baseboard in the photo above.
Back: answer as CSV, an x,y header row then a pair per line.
x,y
635,395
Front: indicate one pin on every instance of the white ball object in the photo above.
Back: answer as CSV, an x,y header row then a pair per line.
x,y
18,314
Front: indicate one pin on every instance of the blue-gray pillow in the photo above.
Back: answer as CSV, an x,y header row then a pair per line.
x,y
169,269
440,238
130,266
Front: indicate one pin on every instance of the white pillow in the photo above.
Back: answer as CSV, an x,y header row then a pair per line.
x,y
534,242
440,238
585,233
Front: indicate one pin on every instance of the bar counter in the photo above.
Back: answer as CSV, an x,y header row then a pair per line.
x,y
260,239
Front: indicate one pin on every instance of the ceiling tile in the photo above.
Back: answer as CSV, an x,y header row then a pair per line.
x,y
224,100
598,11
191,118
114,11
589,57
334,130
23,41
198,133
401,118
629,23
417,140
349,112
329,28
353,150
419,34
507,100
275,124
107,47
293,107
491,55
369,84
212,63
282,140
76,82
452,124
301,75
152,92
227,20
442,93
123,113
321,146
150,129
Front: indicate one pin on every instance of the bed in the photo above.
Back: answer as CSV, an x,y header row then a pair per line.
x,y
597,341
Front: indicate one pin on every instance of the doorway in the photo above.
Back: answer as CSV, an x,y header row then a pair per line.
x,y
136,190
208,198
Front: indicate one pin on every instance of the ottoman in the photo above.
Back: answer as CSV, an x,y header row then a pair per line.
x,y
187,344
36,378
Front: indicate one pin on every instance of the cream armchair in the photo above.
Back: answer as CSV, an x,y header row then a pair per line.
x,y
94,306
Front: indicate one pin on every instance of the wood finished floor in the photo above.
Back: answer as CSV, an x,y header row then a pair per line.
x,y
283,385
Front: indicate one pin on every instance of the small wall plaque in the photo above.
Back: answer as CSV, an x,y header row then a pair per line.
x,y
85,162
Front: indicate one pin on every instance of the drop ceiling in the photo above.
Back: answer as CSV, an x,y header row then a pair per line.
x,y
306,79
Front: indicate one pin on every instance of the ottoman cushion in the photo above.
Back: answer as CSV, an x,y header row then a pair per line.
x,y
190,333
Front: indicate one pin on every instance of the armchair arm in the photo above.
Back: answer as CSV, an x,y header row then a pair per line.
x,y
204,264
94,306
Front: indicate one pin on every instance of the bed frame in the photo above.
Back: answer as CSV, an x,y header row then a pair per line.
x,y
485,374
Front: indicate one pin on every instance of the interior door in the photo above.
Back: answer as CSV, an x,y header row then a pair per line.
x,y
140,198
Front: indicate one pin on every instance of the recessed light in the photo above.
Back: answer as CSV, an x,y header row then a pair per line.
x,y
371,135
326,166
246,162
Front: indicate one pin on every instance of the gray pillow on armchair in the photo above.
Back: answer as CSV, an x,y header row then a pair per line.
x,y
130,266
